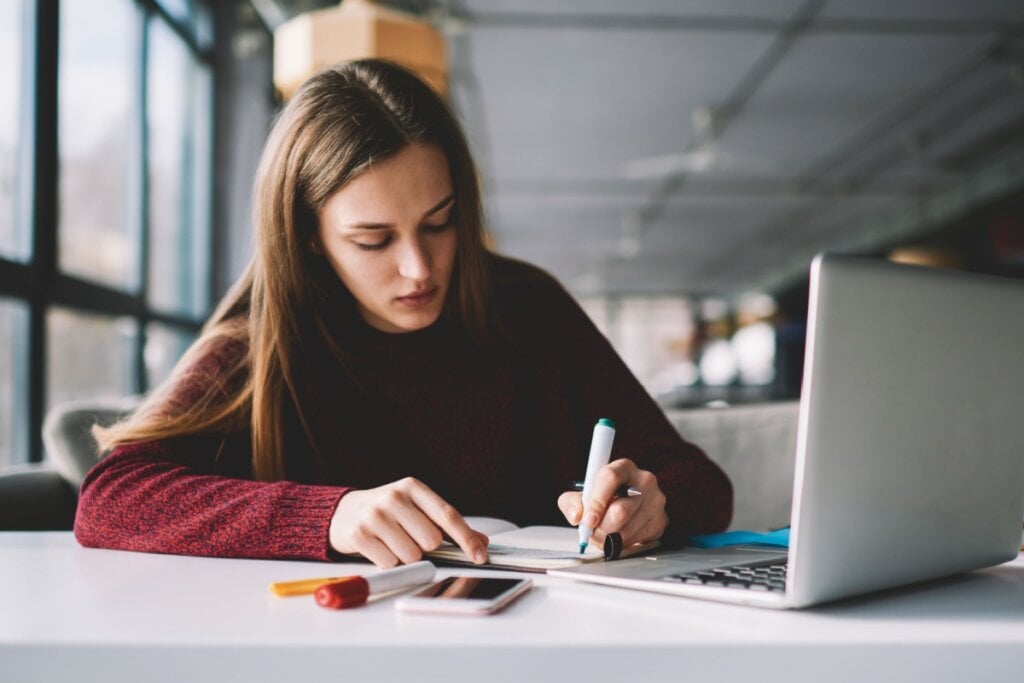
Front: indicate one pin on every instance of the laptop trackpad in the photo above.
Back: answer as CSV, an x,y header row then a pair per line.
x,y
657,564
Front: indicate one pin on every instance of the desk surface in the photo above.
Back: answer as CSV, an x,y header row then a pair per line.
x,y
70,613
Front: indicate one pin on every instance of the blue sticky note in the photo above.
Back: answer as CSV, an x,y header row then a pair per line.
x,y
778,538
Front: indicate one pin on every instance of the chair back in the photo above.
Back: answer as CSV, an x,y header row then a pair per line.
x,y
67,433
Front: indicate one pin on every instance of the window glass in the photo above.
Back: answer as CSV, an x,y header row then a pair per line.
x,y
164,346
13,232
179,120
753,342
653,335
204,26
181,10
655,338
13,382
89,356
194,17
100,187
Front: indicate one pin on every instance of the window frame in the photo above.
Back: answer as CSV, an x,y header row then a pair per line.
x,y
38,282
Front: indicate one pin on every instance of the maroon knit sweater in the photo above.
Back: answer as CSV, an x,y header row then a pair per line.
x,y
497,434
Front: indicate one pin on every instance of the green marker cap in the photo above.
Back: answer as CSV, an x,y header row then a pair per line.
x,y
606,422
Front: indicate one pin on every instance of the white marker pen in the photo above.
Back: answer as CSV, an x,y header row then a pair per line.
x,y
355,590
600,454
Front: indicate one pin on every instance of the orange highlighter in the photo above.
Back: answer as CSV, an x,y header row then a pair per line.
x,y
337,592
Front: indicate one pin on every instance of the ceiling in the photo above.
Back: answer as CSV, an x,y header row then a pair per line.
x,y
841,124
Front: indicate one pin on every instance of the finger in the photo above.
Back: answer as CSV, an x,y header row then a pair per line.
x,y
618,514
451,522
391,531
375,551
412,522
650,521
423,532
484,538
571,505
608,479
646,528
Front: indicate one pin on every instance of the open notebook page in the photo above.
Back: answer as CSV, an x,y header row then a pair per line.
x,y
535,547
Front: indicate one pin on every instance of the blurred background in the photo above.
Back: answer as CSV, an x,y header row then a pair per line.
x,y
675,163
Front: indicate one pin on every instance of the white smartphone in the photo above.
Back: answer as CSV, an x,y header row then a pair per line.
x,y
469,595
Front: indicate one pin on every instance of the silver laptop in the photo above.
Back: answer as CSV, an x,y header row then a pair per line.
x,y
910,446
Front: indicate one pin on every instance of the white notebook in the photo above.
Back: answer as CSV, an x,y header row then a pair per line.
x,y
535,548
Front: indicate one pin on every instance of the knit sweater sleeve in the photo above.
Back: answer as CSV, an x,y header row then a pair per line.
x,y
698,493
174,497
140,498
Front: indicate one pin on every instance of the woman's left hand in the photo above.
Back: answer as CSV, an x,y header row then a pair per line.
x,y
638,519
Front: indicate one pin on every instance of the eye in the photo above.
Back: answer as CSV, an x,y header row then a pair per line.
x,y
436,228
374,246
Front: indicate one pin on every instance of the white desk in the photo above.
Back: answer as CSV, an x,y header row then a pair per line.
x,y
74,614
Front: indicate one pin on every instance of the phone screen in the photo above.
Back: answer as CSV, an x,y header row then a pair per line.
x,y
468,588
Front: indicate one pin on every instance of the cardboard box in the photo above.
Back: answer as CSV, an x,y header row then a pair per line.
x,y
357,29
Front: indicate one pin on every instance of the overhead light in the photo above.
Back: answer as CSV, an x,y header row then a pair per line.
x,y
357,29
935,257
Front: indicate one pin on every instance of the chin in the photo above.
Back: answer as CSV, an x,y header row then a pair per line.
x,y
420,322
409,322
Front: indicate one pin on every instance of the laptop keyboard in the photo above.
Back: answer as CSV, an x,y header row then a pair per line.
x,y
763,577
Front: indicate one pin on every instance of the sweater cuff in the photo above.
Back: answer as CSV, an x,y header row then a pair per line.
x,y
302,521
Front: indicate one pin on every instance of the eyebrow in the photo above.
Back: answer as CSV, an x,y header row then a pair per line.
x,y
380,226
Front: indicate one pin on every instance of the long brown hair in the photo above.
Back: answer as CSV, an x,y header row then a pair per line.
x,y
289,300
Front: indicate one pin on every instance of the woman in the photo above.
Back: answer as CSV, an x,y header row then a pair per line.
x,y
376,372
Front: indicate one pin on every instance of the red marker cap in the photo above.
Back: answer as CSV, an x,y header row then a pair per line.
x,y
351,592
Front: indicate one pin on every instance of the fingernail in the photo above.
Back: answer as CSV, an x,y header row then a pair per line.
x,y
590,520
574,515
479,556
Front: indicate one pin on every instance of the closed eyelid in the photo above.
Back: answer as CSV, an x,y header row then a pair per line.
x,y
429,228
371,246
446,203
384,231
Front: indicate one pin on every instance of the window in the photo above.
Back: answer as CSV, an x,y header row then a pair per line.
x,y
654,336
13,380
89,356
178,106
106,139
99,175
164,346
13,231
193,17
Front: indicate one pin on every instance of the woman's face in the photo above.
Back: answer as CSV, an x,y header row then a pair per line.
x,y
389,234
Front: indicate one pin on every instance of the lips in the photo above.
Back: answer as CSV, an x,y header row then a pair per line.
x,y
418,298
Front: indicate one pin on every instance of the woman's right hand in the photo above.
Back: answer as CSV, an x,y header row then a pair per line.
x,y
395,523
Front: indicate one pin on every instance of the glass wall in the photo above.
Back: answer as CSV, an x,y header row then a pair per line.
x,y
654,336
694,352
13,380
13,233
89,356
178,125
164,346
99,146
106,126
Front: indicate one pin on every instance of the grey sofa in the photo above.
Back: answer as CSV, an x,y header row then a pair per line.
x,y
36,498
756,446
43,497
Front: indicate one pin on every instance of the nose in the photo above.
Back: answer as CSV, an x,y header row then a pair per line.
x,y
414,261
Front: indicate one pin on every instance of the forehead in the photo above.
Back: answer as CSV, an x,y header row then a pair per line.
x,y
403,185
